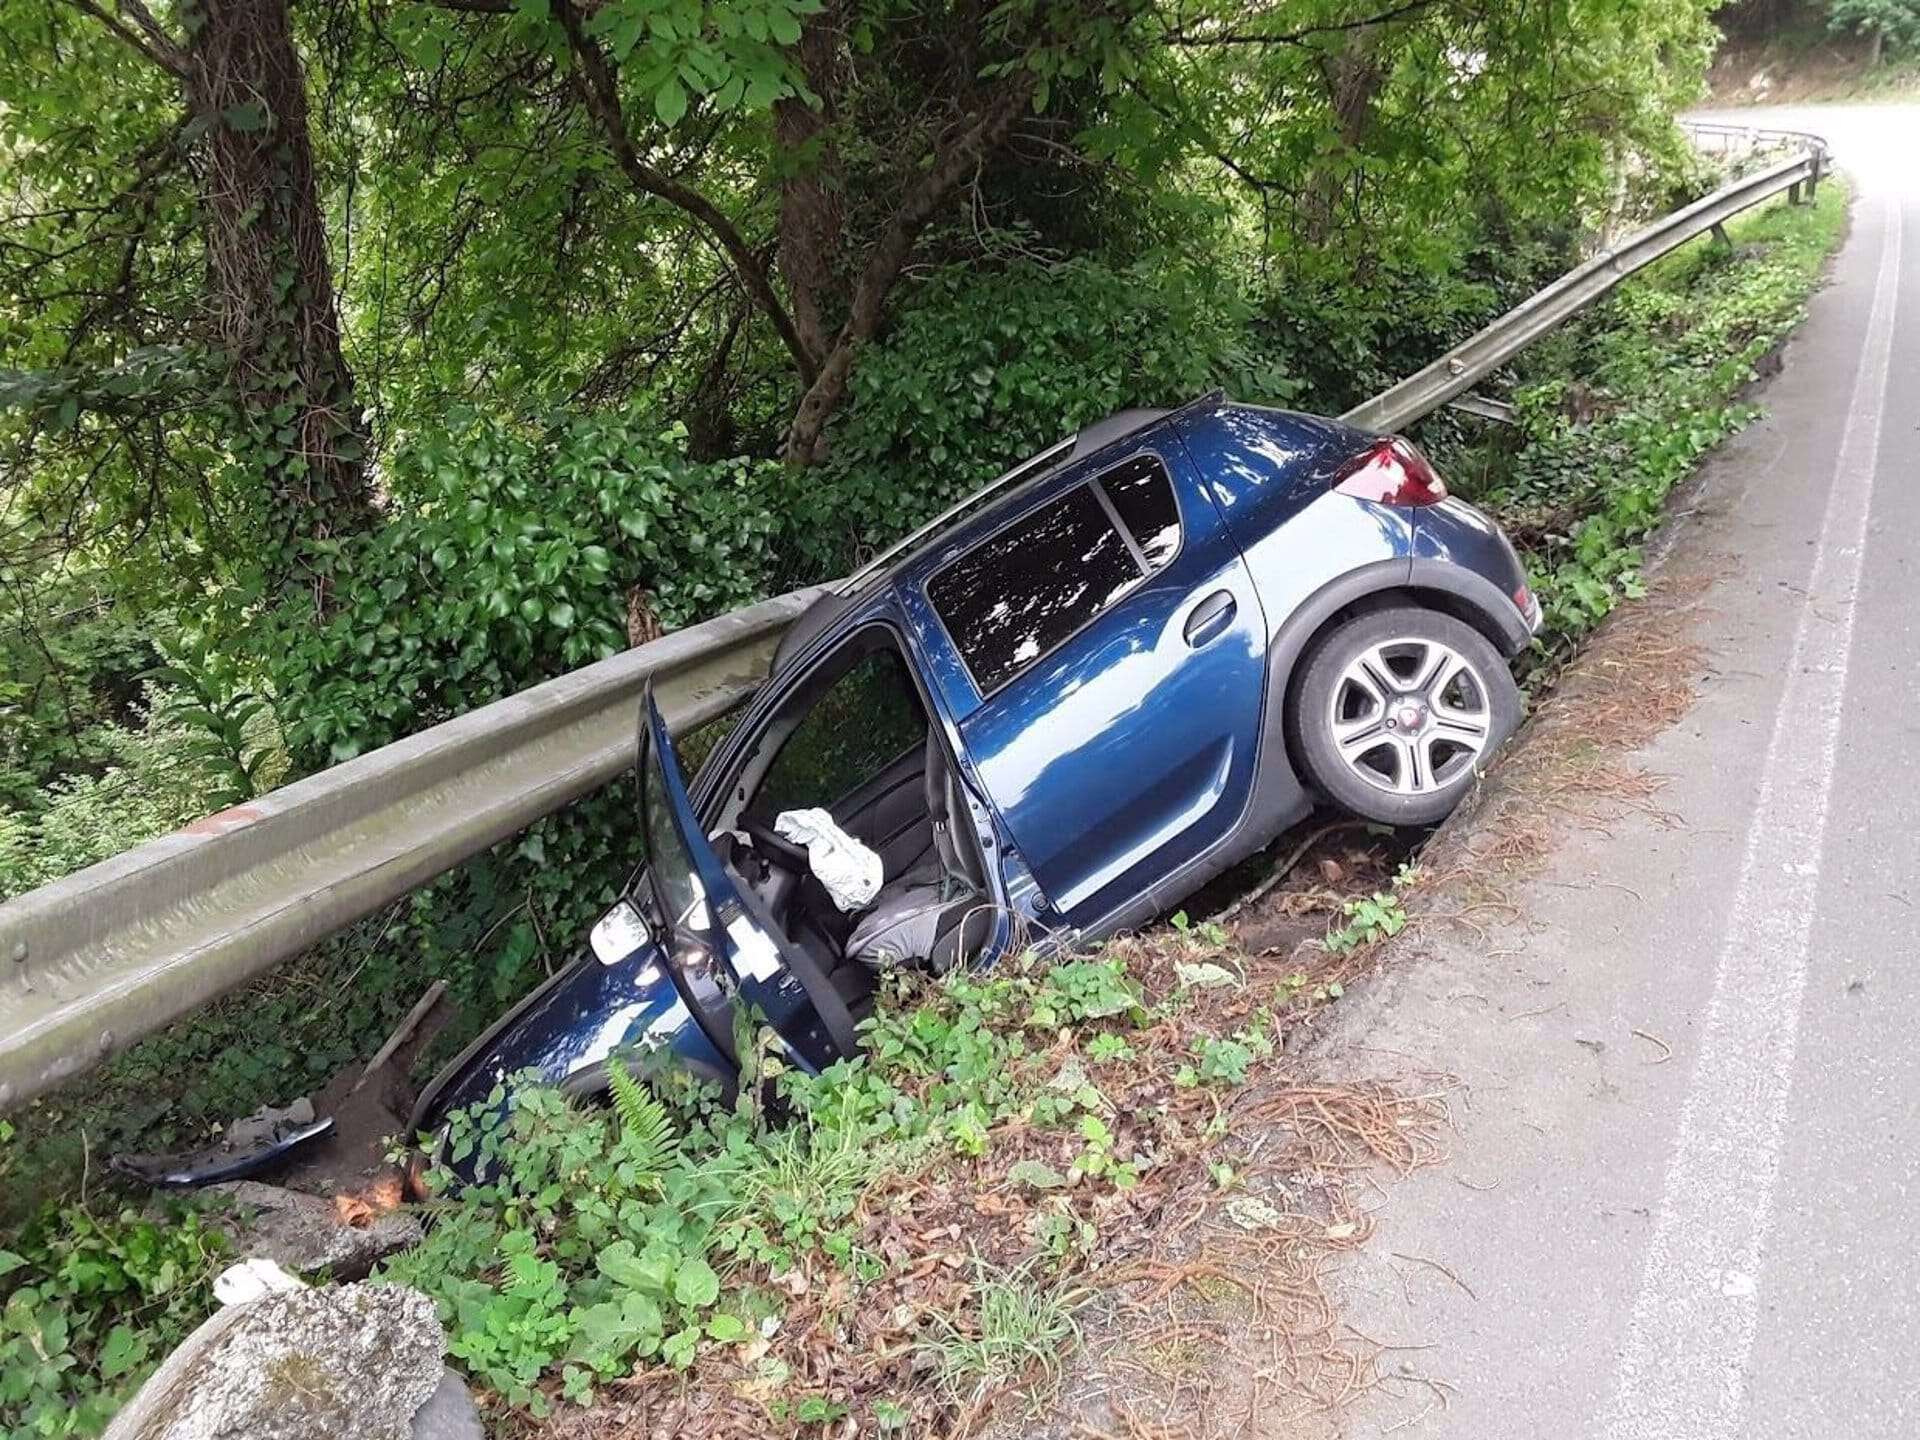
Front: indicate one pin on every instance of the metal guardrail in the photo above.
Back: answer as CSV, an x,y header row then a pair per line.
x,y
95,961
1727,136
98,959
1470,362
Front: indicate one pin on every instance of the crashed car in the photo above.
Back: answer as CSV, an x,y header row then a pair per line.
x,y
1045,718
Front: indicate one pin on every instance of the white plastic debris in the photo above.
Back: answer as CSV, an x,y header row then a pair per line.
x,y
850,872
252,1279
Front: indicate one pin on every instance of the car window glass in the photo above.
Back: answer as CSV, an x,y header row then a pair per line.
x,y
702,740
865,720
1142,497
675,879
1011,599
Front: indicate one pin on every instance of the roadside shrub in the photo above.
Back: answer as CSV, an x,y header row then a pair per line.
x,y
1629,399
632,1233
88,1307
150,777
509,559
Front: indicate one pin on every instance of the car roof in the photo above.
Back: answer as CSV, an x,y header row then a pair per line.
x,y
841,597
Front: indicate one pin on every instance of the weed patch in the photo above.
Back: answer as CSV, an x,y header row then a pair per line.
x,y
899,1241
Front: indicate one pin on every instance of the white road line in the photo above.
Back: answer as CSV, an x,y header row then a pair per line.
x,y
1682,1373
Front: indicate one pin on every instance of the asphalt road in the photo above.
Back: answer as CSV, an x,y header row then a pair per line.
x,y
1726,1243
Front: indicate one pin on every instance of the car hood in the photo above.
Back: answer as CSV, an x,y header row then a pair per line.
x,y
565,1031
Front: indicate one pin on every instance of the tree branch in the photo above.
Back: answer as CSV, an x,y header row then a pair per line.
x,y
600,92
1298,37
149,39
953,159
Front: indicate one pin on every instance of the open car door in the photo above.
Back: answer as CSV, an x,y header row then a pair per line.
x,y
727,956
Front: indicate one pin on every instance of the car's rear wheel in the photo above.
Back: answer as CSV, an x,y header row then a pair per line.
x,y
1397,710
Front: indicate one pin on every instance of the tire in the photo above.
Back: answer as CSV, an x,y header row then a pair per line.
x,y
1431,694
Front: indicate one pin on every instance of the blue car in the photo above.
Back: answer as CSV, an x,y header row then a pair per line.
x,y
1046,718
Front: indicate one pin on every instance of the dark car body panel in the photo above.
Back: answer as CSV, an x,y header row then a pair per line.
x,y
1142,754
568,1028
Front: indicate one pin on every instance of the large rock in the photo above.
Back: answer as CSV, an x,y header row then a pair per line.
x,y
347,1362
303,1232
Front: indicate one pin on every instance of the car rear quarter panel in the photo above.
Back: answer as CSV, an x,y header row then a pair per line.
x,y
1264,467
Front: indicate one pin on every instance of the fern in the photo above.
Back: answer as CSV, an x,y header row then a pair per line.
x,y
646,1129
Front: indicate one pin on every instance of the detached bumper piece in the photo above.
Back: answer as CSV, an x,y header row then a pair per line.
x,y
247,1147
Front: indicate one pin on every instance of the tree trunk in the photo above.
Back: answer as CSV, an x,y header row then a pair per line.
x,y
812,217
953,159
269,285
1353,78
1876,47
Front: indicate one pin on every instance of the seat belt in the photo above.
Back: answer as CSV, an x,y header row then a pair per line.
x,y
938,797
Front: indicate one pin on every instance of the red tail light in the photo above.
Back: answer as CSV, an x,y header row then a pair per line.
x,y
1393,472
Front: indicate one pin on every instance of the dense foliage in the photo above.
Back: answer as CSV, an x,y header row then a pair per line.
x,y
93,1303
648,1234
1887,26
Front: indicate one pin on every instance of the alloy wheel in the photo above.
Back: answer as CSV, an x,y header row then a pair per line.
x,y
1410,715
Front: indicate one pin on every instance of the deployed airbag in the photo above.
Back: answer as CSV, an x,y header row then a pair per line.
x,y
849,872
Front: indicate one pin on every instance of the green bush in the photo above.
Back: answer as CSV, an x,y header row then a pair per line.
x,y
508,559
88,1307
147,778
603,1237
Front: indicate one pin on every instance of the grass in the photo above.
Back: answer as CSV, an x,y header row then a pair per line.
x,y
1020,1327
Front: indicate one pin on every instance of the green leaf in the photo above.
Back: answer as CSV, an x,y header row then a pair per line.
x,y
727,1328
696,1284
645,1273
1037,1173
677,1349
670,102
1204,975
121,1351
245,118
9,1262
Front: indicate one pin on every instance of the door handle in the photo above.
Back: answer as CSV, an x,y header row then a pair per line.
x,y
1210,617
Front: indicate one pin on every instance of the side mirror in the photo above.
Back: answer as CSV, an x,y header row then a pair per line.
x,y
619,934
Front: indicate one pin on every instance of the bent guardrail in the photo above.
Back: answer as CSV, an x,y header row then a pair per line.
x,y
95,961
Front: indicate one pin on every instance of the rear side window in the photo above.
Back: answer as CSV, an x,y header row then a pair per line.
x,y
1024,590
1142,497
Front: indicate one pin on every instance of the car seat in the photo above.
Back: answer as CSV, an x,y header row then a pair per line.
x,y
936,912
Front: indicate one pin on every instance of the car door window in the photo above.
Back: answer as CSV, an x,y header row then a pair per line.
x,y
1025,589
865,720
